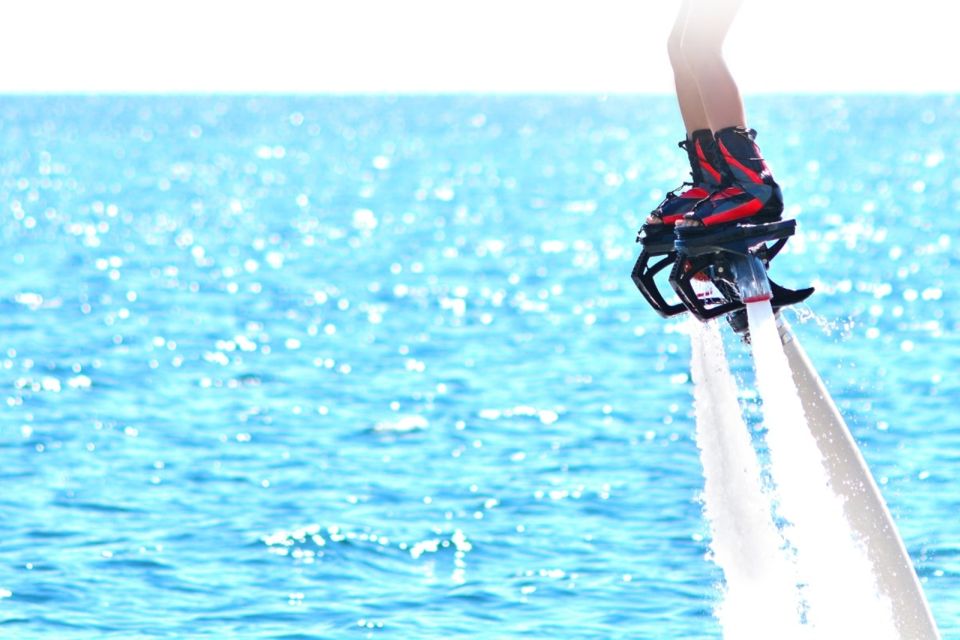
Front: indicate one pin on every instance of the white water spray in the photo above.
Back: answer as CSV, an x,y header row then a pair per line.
x,y
814,563
840,592
760,598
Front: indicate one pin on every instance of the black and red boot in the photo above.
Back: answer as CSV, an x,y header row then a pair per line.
x,y
657,234
705,169
747,192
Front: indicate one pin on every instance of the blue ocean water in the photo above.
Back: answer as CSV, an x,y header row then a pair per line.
x,y
330,367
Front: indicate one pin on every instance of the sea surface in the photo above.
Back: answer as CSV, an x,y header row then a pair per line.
x,y
374,367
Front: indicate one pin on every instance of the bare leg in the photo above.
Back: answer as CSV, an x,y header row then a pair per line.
x,y
706,91
688,91
701,46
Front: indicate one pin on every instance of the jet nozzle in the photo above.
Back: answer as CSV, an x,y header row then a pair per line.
x,y
750,277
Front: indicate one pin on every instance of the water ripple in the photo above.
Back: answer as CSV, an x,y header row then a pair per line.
x,y
410,321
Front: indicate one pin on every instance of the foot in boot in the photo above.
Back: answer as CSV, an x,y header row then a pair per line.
x,y
747,193
704,157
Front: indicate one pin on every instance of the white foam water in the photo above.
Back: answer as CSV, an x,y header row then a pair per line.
x,y
760,598
839,590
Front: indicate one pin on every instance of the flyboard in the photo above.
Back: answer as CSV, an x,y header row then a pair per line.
x,y
720,271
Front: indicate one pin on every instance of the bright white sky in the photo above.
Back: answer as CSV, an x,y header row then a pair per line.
x,y
464,45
